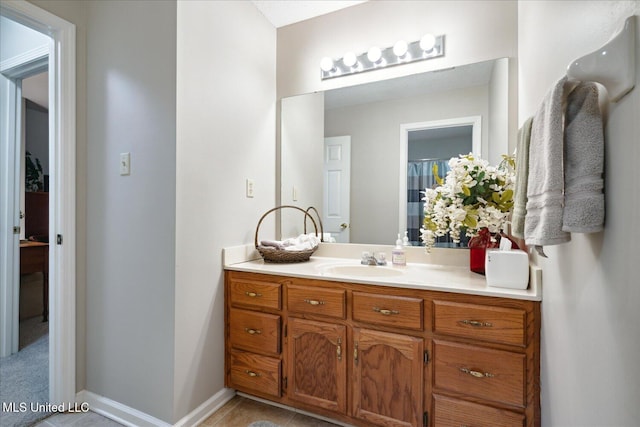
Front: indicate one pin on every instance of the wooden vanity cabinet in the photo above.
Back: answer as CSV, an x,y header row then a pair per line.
x,y
317,364
375,355
385,386
253,335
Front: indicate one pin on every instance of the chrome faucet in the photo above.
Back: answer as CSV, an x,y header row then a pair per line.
x,y
372,258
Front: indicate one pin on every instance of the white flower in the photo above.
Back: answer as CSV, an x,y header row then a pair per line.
x,y
474,195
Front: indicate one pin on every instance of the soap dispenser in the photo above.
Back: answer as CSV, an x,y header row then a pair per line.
x,y
405,239
398,257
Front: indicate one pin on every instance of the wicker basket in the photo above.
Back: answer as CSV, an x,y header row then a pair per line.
x,y
311,208
271,254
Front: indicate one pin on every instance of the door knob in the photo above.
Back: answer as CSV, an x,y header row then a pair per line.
x,y
344,225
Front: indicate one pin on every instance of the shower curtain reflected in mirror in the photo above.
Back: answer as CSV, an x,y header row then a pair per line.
x,y
419,177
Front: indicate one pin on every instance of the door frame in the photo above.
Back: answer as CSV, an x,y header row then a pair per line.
x,y
62,204
405,128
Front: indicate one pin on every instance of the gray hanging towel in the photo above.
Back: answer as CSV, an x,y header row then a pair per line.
x,y
543,223
583,162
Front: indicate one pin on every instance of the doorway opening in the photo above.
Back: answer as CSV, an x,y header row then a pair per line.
x,y
425,148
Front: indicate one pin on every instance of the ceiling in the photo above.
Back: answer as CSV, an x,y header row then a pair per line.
x,y
285,12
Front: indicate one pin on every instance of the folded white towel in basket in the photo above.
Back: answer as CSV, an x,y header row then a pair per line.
x,y
301,243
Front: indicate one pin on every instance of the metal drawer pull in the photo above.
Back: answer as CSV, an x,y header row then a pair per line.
x,y
252,294
339,350
314,302
476,323
385,311
251,373
476,373
252,331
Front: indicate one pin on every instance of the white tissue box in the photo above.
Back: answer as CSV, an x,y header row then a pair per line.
x,y
507,269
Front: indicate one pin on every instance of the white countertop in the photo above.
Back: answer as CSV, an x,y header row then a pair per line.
x,y
449,274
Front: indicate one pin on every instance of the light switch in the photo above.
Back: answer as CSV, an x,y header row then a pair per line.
x,y
125,163
295,193
250,187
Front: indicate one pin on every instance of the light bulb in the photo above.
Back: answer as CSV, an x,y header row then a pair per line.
x,y
427,42
400,48
326,64
374,55
350,59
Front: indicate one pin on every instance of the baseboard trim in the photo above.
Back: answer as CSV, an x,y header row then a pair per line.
x,y
207,408
131,417
118,412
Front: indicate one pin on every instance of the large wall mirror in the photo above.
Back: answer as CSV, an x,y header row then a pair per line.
x,y
348,151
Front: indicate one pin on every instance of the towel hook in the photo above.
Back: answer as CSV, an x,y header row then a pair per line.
x,y
613,65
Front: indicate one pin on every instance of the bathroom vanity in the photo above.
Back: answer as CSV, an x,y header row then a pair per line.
x,y
426,345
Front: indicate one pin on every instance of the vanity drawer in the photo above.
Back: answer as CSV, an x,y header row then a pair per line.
x,y
480,322
255,373
251,331
450,412
312,300
487,374
255,293
387,310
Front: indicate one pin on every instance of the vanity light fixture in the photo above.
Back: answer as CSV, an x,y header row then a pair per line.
x,y
350,60
374,55
327,65
401,48
429,46
427,43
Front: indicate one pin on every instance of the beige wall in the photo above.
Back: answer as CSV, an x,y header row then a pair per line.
x,y
302,153
590,317
475,31
127,319
226,133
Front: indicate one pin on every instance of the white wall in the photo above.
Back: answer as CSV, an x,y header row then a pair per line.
x,y
375,152
590,316
226,133
16,39
301,150
498,121
475,31
131,104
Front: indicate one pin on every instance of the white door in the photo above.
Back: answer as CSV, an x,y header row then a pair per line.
x,y
336,189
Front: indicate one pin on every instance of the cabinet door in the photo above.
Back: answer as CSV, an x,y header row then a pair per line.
x,y
388,378
317,364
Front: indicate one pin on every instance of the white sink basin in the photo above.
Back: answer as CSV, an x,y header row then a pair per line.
x,y
363,271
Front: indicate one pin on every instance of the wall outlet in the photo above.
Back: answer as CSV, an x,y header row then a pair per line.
x,y
250,187
125,163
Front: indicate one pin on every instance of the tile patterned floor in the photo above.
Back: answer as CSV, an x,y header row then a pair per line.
x,y
238,412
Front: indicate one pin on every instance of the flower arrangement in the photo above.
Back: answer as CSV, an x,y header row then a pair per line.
x,y
473,196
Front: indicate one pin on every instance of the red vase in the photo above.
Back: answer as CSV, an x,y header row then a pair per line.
x,y
478,246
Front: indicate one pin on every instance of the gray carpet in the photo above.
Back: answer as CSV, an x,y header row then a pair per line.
x,y
24,379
